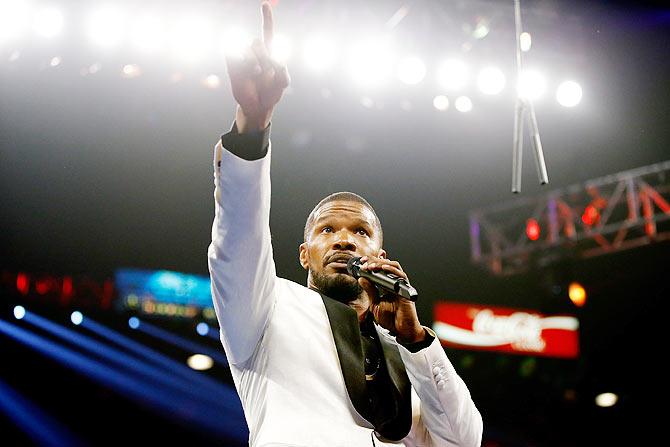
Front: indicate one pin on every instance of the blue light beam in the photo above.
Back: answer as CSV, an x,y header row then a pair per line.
x,y
229,425
220,397
182,342
148,354
35,423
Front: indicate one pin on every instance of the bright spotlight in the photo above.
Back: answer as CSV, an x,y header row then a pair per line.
x,y
452,74
212,82
76,317
200,362
202,328
441,103
531,85
14,19
411,70
525,41
491,81
606,399
281,48
577,294
235,41
130,71
133,322
319,53
48,22
106,26
371,62
569,94
192,38
147,33
463,104
19,312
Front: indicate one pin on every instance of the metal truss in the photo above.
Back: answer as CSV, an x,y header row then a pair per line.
x,y
617,212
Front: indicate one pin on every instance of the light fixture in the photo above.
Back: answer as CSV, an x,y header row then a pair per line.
x,y
200,362
569,94
463,104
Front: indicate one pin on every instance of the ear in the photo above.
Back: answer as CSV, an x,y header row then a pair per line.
x,y
382,254
304,256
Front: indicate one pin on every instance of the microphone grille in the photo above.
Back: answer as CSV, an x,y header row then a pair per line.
x,y
353,265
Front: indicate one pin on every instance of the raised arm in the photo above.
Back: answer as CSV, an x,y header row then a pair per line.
x,y
257,80
240,258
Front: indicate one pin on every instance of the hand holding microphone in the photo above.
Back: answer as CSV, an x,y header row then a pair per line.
x,y
386,280
395,310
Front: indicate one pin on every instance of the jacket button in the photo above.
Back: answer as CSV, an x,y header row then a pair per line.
x,y
440,384
436,370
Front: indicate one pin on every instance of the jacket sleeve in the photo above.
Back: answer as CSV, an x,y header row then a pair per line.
x,y
240,261
447,412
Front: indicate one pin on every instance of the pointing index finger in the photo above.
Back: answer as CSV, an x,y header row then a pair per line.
x,y
268,24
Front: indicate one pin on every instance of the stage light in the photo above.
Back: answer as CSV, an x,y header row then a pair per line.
x,y
481,29
48,22
133,322
525,41
591,215
463,104
191,38
55,62
532,229
606,399
19,312
202,328
23,283
281,48
531,85
491,81
319,53
234,42
569,94
14,19
411,70
212,82
452,74
577,294
441,103
147,33
371,62
76,317
131,71
200,362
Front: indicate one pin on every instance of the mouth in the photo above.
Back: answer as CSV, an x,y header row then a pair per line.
x,y
338,262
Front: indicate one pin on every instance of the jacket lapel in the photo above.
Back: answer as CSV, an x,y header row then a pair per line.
x,y
402,423
346,333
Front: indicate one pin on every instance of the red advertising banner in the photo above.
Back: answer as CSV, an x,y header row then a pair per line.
x,y
476,326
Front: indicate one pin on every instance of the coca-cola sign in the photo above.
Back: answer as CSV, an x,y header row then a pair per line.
x,y
502,329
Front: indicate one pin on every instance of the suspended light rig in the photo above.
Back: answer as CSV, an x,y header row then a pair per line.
x,y
604,215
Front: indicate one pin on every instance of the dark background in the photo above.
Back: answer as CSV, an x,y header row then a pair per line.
x,y
99,172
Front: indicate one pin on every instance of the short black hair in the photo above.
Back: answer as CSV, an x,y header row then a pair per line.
x,y
347,197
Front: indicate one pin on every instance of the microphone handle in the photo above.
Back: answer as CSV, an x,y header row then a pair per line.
x,y
391,283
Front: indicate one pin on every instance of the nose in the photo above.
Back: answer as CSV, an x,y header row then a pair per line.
x,y
344,242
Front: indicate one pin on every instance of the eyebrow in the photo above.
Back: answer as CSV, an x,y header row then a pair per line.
x,y
357,221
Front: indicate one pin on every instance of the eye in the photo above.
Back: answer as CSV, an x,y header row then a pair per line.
x,y
362,232
327,229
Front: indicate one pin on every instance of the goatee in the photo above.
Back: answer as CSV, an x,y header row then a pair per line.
x,y
339,286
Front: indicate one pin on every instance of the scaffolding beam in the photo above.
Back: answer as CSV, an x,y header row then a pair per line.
x,y
604,215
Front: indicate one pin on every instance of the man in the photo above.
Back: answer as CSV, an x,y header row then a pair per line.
x,y
334,363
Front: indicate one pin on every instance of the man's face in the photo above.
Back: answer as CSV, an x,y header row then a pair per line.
x,y
341,230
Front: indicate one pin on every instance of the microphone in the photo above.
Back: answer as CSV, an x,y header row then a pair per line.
x,y
387,281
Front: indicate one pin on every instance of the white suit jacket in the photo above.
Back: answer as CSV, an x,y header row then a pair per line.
x,y
280,346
